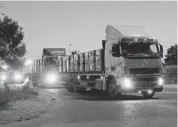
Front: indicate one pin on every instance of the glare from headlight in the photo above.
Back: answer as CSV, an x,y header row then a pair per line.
x,y
160,81
78,77
5,66
18,76
150,91
127,83
51,78
3,77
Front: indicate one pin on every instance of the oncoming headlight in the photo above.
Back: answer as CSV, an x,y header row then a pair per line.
x,y
18,76
3,77
160,81
51,78
127,83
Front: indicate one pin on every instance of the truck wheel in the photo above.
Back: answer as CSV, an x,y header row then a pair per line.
x,y
70,86
35,85
70,89
112,89
146,95
75,86
81,90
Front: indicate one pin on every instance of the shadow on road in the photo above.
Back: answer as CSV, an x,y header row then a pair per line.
x,y
96,96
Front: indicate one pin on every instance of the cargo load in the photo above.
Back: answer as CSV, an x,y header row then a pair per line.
x,y
87,67
99,60
72,63
76,63
68,64
60,58
65,64
82,62
92,65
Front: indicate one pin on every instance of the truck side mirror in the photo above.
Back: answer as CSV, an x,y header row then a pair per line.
x,y
115,50
161,50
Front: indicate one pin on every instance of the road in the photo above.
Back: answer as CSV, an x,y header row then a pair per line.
x,y
79,110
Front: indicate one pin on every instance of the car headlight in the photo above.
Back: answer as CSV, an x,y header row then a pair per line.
x,y
3,77
18,76
160,81
51,78
127,83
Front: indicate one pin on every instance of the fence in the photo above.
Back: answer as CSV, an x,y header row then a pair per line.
x,y
170,74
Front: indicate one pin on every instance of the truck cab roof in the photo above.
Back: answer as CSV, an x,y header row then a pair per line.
x,y
128,33
54,51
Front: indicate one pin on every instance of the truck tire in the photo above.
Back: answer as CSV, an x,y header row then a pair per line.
x,y
35,85
70,86
112,89
75,85
81,90
70,89
146,95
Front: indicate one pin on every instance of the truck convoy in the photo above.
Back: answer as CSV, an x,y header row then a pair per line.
x,y
124,64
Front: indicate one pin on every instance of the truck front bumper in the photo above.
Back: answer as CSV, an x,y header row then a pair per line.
x,y
137,89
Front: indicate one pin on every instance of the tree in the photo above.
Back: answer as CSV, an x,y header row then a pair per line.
x,y
171,56
12,49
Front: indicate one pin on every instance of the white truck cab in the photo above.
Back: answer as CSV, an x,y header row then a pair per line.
x,y
133,62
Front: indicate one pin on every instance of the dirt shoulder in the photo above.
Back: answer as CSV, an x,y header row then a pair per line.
x,y
24,106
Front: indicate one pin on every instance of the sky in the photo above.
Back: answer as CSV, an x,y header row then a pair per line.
x,y
82,24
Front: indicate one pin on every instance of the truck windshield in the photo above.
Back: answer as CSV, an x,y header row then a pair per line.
x,y
51,61
139,49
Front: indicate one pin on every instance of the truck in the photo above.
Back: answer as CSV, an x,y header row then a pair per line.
x,y
45,70
124,64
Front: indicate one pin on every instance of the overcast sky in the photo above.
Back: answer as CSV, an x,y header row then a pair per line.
x,y
82,24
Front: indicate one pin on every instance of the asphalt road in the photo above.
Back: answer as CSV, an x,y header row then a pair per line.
x,y
80,110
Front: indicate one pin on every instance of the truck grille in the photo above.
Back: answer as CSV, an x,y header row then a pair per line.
x,y
145,82
144,70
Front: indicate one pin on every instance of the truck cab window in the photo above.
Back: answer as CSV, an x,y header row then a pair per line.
x,y
115,50
153,48
51,61
139,49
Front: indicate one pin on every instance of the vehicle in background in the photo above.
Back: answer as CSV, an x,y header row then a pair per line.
x,y
12,76
46,70
126,63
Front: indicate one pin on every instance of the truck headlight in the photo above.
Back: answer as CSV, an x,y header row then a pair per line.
x,y
18,76
127,83
51,78
160,81
3,77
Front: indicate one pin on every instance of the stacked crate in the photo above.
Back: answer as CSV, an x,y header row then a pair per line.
x,y
68,63
87,68
64,64
60,58
99,60
92,57
76,62
82,62
72,63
